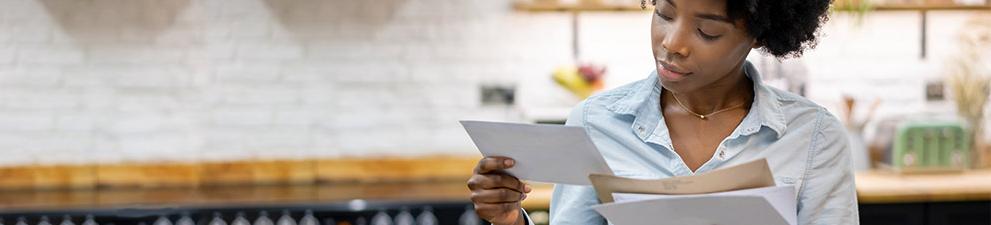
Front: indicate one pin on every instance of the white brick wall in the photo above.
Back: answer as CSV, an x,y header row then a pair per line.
x,y
144,80
108,81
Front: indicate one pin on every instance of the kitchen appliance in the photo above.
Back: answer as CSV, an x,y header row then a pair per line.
x,y
930,146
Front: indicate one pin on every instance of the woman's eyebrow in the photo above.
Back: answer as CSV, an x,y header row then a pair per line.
x,y
715,17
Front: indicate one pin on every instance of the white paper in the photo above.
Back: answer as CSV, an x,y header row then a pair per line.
x,y
729,210
767,205
543,153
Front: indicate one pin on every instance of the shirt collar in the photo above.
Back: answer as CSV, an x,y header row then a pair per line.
x,y
642,101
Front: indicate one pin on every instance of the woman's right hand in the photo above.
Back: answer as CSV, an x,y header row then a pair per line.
x,y
496,194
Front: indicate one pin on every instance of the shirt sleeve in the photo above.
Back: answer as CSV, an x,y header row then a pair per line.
x,y
828,195
572,204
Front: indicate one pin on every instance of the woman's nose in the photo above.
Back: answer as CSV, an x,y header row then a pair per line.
x,y
676,40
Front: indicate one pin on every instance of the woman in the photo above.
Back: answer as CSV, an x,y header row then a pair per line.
x,y
705,108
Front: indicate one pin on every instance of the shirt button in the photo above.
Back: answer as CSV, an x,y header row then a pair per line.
x,y
640,129
722,154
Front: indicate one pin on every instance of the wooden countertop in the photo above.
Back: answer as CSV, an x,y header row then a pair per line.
x,y
434,192
873,187
888,187
877,187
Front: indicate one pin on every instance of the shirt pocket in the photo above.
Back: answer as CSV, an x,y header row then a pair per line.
x,y
793,181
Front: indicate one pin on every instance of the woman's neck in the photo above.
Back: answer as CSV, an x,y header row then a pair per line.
x,y
730,91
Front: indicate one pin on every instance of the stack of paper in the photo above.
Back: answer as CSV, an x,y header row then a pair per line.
x,y
741,195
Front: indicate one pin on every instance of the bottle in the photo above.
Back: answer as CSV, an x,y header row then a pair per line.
x,y
90,221
263,219
21,221
285,219
44,221
66,220
404,217
162,220
240,220
309,219
381,218
217,220
469,217
185,220
426,217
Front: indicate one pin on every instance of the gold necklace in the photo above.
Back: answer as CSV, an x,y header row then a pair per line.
x,y
700,116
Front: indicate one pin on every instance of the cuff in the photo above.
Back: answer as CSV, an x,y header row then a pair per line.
x,y
526,217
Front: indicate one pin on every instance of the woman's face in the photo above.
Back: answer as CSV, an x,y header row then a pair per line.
x,y
696,45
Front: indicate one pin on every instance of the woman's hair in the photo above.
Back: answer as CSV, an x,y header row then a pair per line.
x,y
782,28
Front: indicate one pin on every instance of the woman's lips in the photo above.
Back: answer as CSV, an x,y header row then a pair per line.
x,y
670,72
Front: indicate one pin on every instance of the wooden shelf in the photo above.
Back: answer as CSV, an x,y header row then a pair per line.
x,y
924,7
546,7
579,7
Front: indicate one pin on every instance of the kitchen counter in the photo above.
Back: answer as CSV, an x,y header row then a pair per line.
x,y
873,187
327,194
888,187
878,187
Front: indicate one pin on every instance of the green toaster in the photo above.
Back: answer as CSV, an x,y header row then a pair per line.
x,y
931,145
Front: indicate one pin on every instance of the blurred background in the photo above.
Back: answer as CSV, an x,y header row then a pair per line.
x,y
345,112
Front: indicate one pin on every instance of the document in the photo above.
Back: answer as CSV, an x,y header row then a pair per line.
x,y
704,210
782,199
752,174
741,194
543,153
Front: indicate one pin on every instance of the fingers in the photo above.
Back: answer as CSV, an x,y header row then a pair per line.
x,y
494,163
496,196
495,181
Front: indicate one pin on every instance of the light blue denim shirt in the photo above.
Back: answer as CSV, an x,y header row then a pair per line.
x,y
805,146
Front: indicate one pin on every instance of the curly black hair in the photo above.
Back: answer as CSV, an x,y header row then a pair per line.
x,y
782,28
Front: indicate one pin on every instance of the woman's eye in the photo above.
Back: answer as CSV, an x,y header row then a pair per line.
x,y
707,36
665,18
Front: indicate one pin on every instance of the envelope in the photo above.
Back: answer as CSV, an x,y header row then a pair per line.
x,y
753,174
543,153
